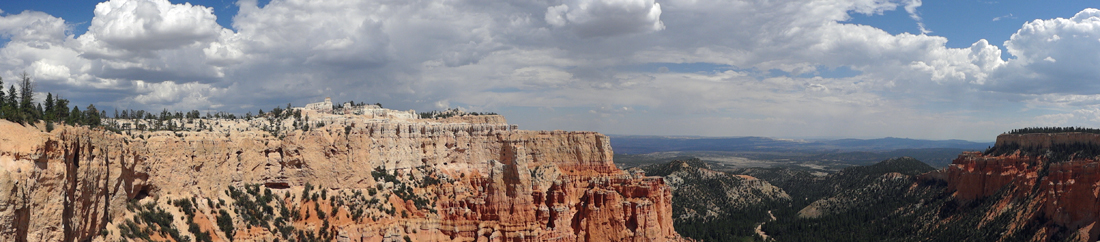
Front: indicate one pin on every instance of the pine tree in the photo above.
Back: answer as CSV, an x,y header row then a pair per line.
x,y
3,101
11,96
75,117
11,107
61,109
91,118
26,98
49,112
3,97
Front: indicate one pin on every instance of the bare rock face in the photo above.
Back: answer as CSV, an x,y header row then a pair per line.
x,y
975,175
354,179
60,186
1071,197
1063,191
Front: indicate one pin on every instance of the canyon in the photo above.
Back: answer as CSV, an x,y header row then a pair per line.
x,y
1027,187
365,173
1049,179
356,173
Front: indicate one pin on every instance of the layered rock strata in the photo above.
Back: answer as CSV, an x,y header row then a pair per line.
x,y
1045,187
356,178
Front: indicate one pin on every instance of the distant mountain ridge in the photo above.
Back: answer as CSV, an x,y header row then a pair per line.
x,y
1034,185
634,144
860,203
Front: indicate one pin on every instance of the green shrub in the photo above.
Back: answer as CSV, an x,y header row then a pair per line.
x,y
317,207
186,206
200,236
225,222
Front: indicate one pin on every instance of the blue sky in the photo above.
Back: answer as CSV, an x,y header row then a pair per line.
x,y
964,22
79,12
795,69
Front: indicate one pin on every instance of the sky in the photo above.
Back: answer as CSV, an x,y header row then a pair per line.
x,y
961,69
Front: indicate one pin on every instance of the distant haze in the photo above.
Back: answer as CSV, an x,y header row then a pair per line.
x,y
648,144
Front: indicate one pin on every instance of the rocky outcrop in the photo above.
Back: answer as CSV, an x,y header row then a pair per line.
x,y
356,178
1070,194
1054,180
974,175
61,186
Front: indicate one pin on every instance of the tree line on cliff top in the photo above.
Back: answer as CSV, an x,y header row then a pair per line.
x,y
17,105
1057,152
1049,130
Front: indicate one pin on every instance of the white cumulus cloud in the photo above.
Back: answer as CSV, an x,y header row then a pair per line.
x,y
32,26
758,61
1051,56
602,18
147,25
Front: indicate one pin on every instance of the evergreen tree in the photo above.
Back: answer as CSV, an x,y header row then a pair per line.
x,y
75,117
11,107
26,98
49,113
3,98
91,117
11,96
3,101
61,109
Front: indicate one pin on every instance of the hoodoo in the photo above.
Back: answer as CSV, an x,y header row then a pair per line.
x,y
1051,179
332,173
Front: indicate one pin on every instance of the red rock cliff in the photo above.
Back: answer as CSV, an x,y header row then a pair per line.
x,y
382,180
1067,189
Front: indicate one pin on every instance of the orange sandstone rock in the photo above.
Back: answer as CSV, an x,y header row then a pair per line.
x,y
1068,194
499,183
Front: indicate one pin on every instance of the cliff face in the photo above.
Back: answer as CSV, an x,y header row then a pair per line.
x,y
1059,188
61,186
975,175
354,179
